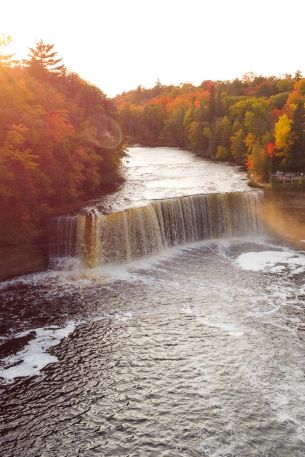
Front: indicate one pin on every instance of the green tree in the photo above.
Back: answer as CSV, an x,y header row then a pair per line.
x,y
298,75
211,108
194,136
257,120
152,124
238,147
295,156
224,129
174,128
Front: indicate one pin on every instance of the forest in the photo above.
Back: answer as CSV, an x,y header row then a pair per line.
x,y
62,139
256,122
60,142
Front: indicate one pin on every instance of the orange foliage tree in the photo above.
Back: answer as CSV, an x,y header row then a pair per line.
x,y
59,144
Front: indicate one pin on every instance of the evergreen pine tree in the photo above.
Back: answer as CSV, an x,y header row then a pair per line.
x,y
42,59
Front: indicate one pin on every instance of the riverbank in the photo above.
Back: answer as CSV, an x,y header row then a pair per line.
x,y
19,260
258,184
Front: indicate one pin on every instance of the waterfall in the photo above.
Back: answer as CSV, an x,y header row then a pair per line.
x,y
62,237
122,236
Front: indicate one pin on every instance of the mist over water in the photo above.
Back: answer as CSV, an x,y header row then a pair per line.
x,y
194,350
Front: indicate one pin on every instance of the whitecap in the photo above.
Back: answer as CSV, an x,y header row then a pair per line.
x,y
272,261
34,356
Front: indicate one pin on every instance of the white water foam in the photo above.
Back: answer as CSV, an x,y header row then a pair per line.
x,y
34,356
227,327
273,262
78,276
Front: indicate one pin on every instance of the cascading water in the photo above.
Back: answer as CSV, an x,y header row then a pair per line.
x,y
197,353
62,237
122,236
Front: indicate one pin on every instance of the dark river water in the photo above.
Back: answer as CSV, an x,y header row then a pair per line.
x,y
198,350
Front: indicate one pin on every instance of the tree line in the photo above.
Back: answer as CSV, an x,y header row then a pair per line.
x,y
257,122
60,142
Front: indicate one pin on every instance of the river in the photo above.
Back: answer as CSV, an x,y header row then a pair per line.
x,y
170,325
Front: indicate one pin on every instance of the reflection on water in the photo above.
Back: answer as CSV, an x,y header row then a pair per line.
x,y
284,214
198,351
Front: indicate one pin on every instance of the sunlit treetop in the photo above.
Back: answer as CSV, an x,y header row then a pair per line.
x,y
6,60
44,58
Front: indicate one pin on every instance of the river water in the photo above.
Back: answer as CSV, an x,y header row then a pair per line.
x,y
195,349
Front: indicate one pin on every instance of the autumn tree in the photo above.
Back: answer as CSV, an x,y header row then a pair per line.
x,y
282,131
60,144
256,122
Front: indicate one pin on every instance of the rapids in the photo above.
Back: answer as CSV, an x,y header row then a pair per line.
x,y
172,325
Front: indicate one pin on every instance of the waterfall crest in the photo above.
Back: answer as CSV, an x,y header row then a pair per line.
x,y
126,235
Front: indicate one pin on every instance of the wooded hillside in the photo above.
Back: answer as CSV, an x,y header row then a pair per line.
x,y
256,122
60,142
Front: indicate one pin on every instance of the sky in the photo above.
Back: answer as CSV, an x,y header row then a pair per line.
x,y
120,44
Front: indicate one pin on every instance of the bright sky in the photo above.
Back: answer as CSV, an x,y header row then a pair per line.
x,y
119,44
